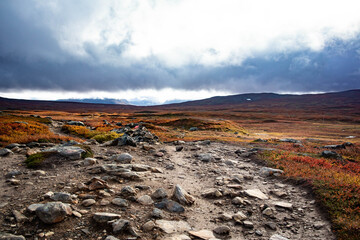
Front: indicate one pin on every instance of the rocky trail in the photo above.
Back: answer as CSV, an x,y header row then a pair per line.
x,y
193,190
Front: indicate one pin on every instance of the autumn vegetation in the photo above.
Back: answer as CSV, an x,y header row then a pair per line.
x,y
334,182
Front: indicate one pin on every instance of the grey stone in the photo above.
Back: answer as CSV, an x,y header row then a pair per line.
x,y
256,193
179,148
4,152
172,226
205,157
170,205
145,200
122,158
330,154
111,238
75,123
285,205
124,140
182,196
89,161
19,216
70,152
12,145
148,226
248,224
157,213
203,234
120,202
160,193
222,230
239,217
266,172
53,212
103,217
33,207
8,236
238,201
120,225
128,191
277,237
63,197
13,173
88,202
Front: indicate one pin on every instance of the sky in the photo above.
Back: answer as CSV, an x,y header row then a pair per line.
x,y
176,50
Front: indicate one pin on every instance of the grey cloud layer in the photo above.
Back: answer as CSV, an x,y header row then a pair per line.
x,y
31,58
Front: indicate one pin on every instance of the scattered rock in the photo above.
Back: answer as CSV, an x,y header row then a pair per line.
x,y
211,193
182,196
53,212
120,202
222,230
88,202
13,173
289,140
75,123
170,205
266,172
248,224
239,217
122,158
8,236
172,226
330,154
111,238
238,201
205,157
103,217
203,234
124,140
145,200
97,183
70,152
278,237
4,152
179,148
256,193
120,225
148,226
20,218
32,208
157,213
63,197
160,193
128,191
285,205
89,161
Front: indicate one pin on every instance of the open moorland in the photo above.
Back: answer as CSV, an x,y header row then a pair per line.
x,y
264,169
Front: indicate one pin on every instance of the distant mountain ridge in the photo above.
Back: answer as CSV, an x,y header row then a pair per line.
x,y
96,100
346,100
352,96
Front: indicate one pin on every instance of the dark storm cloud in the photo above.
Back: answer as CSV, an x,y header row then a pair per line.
x,y
31,59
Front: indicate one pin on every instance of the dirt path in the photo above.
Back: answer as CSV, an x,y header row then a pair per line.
x,y
225,171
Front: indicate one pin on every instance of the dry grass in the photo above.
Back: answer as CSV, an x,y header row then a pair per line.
x,y
22,129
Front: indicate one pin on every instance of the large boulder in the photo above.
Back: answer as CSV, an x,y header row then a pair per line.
x,y
330,154
70,152
53,212
75,123
182,196
4,152
122,158
124,140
